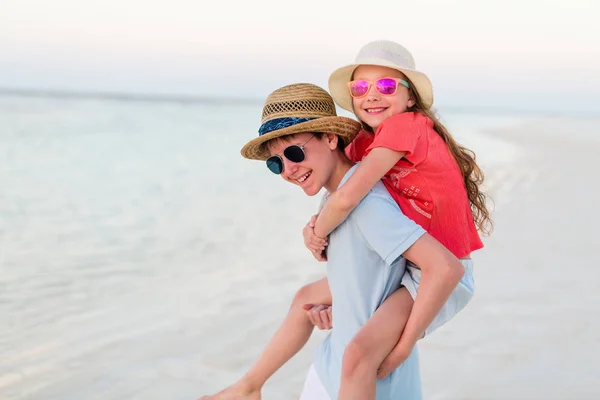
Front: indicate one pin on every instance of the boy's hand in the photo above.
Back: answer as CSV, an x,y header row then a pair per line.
x,y
319,315
319,255
314,243
398,355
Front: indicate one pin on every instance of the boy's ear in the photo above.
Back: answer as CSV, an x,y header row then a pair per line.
x,y
332,140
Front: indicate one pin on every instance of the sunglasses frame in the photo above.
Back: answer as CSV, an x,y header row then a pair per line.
x,y
277,156
370,82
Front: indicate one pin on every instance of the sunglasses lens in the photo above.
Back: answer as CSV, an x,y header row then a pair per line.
x,y
294,153
386,86
359,88
275,164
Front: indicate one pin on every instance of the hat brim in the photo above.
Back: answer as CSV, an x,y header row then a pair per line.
x,y
338,82
345,128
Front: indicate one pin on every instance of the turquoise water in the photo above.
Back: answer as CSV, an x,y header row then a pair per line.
x,y
129,228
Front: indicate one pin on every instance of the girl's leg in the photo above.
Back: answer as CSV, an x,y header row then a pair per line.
x,y
369,347
459,298
291,336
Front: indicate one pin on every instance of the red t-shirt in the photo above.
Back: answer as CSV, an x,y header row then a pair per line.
x,y
426,183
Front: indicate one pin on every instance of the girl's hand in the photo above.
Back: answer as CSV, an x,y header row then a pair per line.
x,y
311,241
398,355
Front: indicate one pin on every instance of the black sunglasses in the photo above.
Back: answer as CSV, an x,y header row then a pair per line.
x,y
294,153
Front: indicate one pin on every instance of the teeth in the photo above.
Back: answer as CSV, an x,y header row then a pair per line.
x,y
374,110
303,177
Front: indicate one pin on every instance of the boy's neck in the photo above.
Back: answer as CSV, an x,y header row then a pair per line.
x,y
342,166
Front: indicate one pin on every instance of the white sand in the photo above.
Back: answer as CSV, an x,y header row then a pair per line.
x,y
532,331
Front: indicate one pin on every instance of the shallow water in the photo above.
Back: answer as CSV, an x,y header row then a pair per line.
x,y
133,235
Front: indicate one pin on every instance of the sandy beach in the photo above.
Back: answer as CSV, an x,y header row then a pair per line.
x,y
143,258
166,284
532,330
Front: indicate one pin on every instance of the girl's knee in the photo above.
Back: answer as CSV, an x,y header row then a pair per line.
x,y
303,295
358,356
312,293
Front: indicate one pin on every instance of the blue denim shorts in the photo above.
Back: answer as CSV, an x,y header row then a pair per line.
x,y
459,298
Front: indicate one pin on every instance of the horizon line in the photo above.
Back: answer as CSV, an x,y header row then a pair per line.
x,y
191,99
124,96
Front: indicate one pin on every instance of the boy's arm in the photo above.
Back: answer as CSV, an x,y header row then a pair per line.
x,y
341,202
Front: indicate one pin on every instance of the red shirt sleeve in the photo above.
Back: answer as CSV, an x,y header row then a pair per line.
x,y
402,132
355,151
351,151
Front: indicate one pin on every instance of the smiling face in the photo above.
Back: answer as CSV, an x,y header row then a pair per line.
x,y
374,108
319,165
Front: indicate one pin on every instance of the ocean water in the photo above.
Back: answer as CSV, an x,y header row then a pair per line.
x,y
129,229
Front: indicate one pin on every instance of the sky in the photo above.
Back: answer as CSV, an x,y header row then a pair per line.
x,y
527,54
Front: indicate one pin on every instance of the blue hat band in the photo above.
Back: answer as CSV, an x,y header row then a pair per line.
x,y
280,123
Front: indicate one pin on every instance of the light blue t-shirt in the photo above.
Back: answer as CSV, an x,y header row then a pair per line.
x,y
364,267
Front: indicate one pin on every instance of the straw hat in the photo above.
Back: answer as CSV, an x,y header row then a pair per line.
x,y
386,54
298,108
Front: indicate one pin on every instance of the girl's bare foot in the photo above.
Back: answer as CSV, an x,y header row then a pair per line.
x,y
237,391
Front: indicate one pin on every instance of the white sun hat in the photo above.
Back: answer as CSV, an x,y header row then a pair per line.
x,y
386,54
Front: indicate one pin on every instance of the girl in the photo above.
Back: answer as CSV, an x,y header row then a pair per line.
x,y
435,182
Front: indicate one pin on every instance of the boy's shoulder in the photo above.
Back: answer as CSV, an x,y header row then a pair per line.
x,y
377,201
377,197
378,193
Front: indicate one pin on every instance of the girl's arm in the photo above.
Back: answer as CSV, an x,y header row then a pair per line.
x,y
341,202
